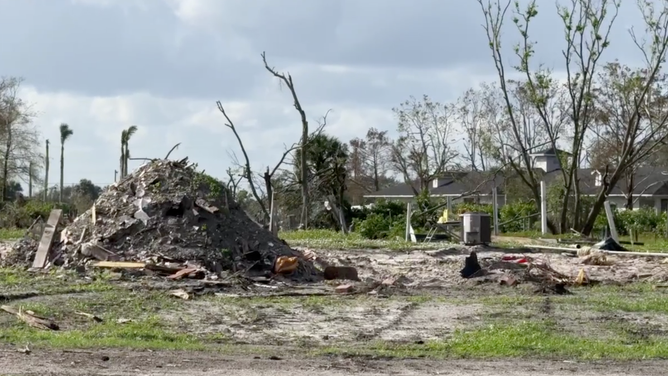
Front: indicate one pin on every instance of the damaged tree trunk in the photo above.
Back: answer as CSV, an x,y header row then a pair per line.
x,y
287,80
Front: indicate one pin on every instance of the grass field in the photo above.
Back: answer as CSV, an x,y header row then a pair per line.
x,y
11,233
627,322
335,240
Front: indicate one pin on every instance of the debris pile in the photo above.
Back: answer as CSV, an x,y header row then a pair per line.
x,y
20,253
514,269
168,215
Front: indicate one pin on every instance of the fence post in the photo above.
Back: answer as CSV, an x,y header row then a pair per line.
x,y
495,211
408,221
543,208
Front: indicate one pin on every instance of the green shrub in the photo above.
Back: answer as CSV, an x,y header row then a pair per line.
x,y
376,226
642,220
514,215
473,207
384,219
23,215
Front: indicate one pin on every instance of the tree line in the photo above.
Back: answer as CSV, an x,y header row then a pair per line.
x,y
605,114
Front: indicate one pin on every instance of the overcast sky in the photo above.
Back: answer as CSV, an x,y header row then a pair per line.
x,y
103,65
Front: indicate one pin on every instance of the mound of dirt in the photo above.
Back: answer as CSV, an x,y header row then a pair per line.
x,y
166,211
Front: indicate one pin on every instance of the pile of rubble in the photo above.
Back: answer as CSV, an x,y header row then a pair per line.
x,y
168,215
513,269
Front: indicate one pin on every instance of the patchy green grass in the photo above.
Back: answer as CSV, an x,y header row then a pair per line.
x,y
145,334
129,320
52,282
651,242
11,233
514,326
541,339
327,239
510,325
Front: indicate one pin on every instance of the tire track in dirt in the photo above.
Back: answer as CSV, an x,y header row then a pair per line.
x,y
23,295
377,331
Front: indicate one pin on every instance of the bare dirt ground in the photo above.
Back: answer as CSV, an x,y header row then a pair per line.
x,y
423,298
126,363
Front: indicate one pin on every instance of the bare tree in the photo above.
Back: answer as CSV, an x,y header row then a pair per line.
x,y
369,160
587,25
377,158
287,80
18,137
234,178
473,113
631,109
267,176
247,170
356,160
424,149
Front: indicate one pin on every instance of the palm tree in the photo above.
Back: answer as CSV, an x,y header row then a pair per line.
x,y
65,133
126,135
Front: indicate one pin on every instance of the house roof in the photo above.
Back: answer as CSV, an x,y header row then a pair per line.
x,y
550,151
450,184
397,190
647,181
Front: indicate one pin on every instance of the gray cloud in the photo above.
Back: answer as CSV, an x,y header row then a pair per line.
x,y
59,46
86,63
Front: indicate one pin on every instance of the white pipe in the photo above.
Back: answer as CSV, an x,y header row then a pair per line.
x,y
627,253
543,208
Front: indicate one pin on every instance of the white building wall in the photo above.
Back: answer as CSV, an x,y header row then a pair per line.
x,y
639,202
487,199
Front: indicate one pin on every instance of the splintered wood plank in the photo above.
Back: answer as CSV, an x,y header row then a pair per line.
x,y
47,239
120,265
31,319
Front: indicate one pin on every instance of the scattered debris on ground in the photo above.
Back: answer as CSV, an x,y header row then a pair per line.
x,y
169,220
30,318
471,266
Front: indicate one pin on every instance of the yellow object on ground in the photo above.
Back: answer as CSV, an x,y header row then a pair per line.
x,y
582,278
444,217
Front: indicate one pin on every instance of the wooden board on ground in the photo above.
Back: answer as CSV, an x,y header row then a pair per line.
x,y
47,238
31,319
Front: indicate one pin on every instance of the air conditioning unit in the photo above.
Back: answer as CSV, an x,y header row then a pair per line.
x,y
476,228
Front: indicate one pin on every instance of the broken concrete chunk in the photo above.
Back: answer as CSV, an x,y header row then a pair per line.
x,y
142,216
142,203
344,289
204,205
508,280
180,293
94,250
